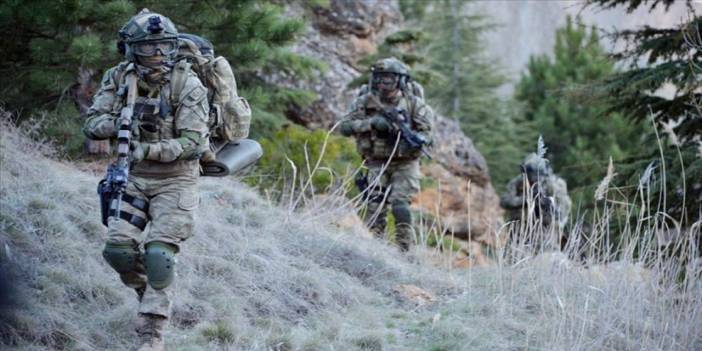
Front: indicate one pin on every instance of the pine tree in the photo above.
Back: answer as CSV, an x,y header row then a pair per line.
x,y
47,46
580,139
672,158
463,82
55,51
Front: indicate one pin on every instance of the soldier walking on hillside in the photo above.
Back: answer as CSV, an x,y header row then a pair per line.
x,y
539,189
169,132
391,125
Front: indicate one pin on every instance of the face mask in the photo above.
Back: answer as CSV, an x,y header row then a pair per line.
x,y
153,73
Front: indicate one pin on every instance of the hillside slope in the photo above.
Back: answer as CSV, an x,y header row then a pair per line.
x,y
258,276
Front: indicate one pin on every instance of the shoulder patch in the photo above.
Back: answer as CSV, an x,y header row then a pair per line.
x,y
194,96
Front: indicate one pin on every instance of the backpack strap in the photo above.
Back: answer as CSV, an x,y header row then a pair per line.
x,y
181,70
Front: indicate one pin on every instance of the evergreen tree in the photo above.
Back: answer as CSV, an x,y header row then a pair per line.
x,y
579,142
465,81
47,44
55,51
671,161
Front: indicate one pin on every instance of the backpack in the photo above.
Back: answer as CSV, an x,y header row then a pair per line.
x,y
230,114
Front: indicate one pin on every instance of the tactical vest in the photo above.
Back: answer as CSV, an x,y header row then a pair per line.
x,y
153,121
378,147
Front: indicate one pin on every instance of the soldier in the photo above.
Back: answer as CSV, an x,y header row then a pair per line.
x,y
549,193
170,132
391,155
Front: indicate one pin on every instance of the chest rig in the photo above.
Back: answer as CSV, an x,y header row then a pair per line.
x,y
378,146
153,118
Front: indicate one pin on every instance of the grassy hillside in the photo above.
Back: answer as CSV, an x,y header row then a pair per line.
x,y
258,276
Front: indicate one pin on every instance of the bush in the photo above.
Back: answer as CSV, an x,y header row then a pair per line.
x,y
296,154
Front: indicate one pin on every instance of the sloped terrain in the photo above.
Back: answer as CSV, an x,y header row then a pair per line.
x,y
259,276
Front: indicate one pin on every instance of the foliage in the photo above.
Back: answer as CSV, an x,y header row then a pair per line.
x,y
294,145
579,142
632,5
658,58
44,43
467,86
405,45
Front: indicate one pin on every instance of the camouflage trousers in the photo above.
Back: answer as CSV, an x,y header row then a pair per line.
x,y
171,218
394,186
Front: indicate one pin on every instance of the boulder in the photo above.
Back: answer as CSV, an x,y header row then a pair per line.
x,y
467,209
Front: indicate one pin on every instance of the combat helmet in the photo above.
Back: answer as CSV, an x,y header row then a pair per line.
x,y
386,66
149,32
535,166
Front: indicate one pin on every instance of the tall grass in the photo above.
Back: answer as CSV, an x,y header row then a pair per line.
x,y
269,275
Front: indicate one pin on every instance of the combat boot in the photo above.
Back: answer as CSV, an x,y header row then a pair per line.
x,y
150,330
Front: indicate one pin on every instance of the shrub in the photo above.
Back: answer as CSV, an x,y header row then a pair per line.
x,y
295,154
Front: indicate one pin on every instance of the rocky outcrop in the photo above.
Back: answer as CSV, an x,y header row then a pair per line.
x,y
340,36
467,209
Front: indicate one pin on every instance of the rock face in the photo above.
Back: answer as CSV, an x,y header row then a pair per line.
x,y
340,36
467,209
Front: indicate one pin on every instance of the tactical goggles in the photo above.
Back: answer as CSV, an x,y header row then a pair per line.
x,y
386,79
155,47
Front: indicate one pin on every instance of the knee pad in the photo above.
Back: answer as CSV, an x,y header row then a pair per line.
x,y
402,213
122,257
159,262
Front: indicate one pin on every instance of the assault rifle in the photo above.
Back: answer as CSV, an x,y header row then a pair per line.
x,y
396,117
112,187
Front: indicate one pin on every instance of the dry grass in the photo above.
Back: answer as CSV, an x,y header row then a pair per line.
x,y
263,276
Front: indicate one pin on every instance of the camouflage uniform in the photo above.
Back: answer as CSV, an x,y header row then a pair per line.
x,y
549,192
393,165
170,128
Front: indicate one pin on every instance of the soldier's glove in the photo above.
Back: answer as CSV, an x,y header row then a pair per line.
x,y
137,151
208,157
380,124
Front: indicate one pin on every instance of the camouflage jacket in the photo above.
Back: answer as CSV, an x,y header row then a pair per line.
x,y
553,189
176,131
375,146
